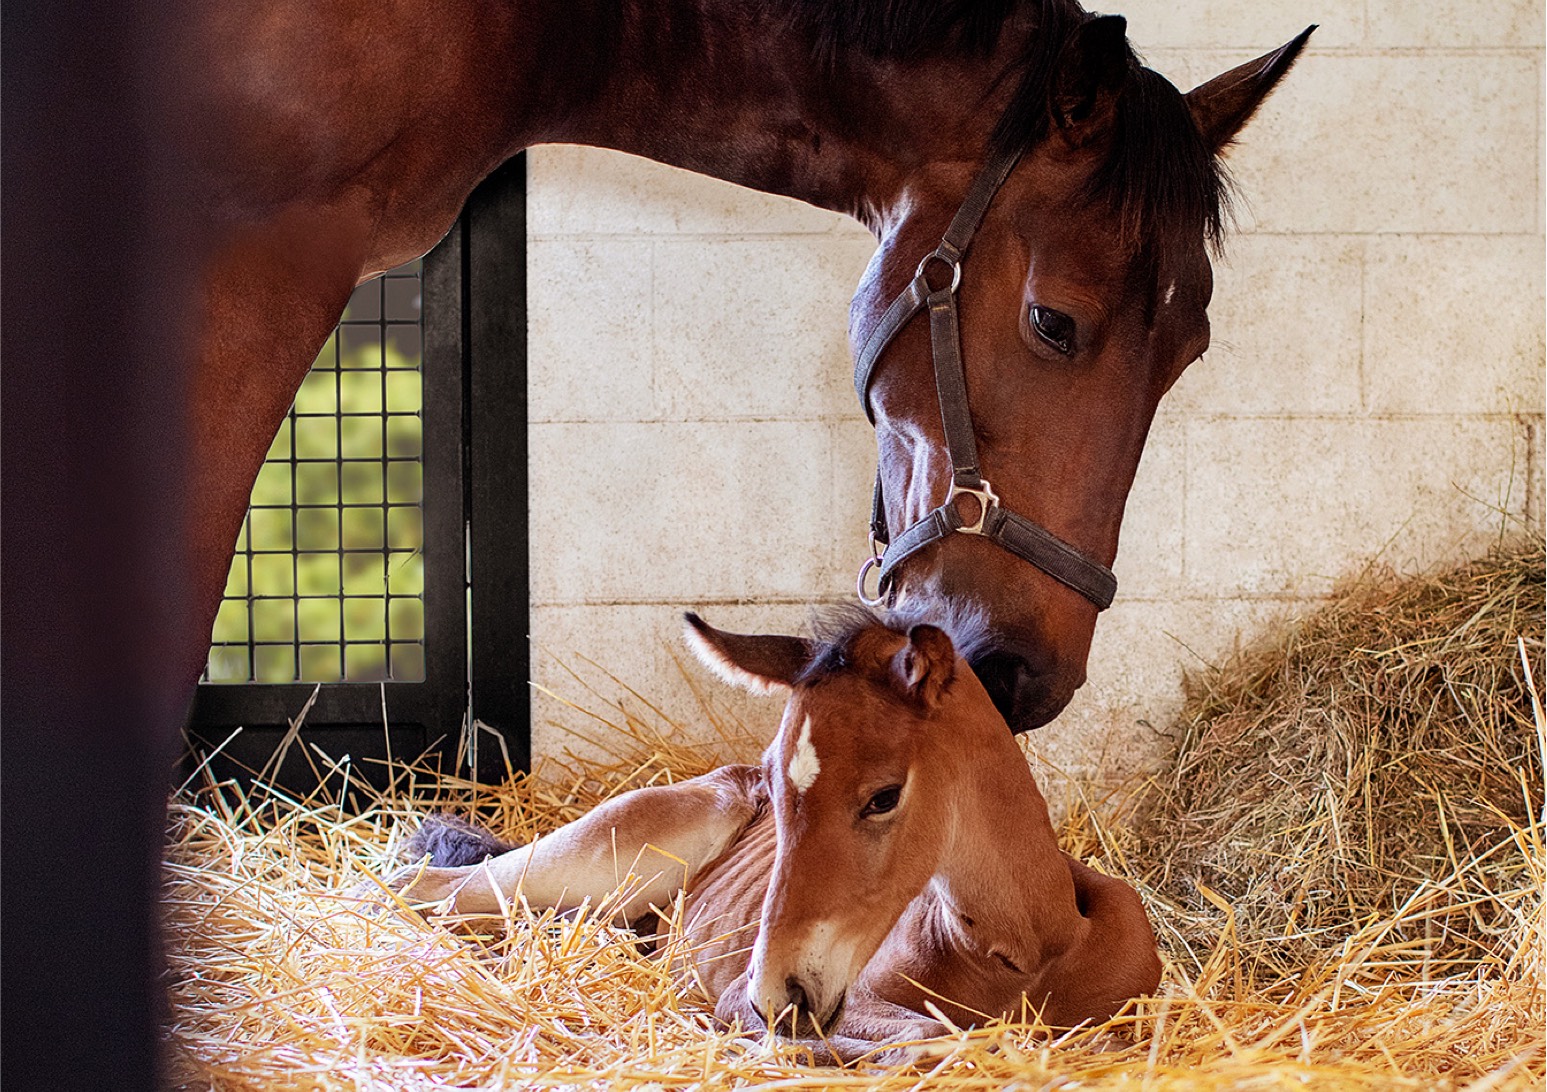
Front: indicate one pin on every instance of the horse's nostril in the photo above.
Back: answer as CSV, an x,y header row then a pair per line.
x,y
1026,694
1003,675
796,994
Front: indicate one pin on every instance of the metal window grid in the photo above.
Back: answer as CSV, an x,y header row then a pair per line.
x,y
328,577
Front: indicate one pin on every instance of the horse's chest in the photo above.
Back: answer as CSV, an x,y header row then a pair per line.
x,y
724,904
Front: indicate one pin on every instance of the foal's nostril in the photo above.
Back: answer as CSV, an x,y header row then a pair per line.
x,y
795,993
803,1011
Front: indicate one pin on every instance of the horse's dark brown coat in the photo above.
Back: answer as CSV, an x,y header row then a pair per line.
x,y
253,161
330,151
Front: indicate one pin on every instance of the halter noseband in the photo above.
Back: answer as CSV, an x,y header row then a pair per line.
x,y
1009,530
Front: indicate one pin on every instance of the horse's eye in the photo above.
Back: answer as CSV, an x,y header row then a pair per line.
x,y
1054,327
882,802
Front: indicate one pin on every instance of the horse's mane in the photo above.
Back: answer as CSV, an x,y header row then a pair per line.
x,y
1163,182
904,29
834,629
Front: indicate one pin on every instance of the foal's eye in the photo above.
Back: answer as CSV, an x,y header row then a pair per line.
x,y
882,802
1054,327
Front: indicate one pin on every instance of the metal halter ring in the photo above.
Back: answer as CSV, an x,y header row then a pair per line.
x,y
987,501
937,255
859,584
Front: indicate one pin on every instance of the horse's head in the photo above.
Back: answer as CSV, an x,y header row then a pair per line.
x,y
878,724
1081,300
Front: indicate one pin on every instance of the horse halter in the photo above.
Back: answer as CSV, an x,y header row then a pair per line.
x,y
1006,529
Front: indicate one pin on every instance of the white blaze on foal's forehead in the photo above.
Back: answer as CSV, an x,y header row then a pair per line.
x,y
804,765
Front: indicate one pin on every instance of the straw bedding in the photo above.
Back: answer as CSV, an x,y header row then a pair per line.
x,y
1345,864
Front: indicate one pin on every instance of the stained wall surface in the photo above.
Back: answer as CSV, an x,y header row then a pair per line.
x,y
1375,386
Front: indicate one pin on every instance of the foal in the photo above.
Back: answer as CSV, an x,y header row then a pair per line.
x,y
890,855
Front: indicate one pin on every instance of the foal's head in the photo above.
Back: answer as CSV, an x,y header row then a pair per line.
x,y
1082,299
879,737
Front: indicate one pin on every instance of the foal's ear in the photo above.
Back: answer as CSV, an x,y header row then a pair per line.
x,y
926,665
1091,70
762,663
1226,103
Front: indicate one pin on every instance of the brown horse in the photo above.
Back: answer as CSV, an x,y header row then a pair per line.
x,y
890,855
253,161
337,142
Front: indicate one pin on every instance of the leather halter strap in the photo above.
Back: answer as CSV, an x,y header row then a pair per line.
x,y
1009,530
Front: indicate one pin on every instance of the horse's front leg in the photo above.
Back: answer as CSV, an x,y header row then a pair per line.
x,y
271,293
647,843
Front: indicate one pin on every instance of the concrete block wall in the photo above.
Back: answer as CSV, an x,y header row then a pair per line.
x,y
1375,386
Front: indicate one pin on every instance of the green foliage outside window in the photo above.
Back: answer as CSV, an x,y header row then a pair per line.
x,y
328,578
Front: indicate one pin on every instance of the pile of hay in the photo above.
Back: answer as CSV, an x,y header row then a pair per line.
x,y
1373,761
1360,798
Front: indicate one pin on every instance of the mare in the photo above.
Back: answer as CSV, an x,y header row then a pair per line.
x,y
334,143
253,161
891,855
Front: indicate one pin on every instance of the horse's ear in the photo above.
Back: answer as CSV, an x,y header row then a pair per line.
x,y
926,665
1091,70
1226,103
763,663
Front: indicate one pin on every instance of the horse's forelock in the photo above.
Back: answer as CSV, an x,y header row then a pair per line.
x,y
1160,179
1164,185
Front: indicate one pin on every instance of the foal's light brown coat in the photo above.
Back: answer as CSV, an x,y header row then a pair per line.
x,y
891,855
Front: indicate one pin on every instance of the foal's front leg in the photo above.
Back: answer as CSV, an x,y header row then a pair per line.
x,y
649,841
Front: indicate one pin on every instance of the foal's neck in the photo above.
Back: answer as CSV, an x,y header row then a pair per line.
x,y
1002,876
727,89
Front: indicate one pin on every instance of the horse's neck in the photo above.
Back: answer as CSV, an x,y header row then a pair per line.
x,y
726,89
1002,882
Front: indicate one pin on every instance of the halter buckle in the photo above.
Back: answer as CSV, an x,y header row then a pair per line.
x,y
940,255
987,501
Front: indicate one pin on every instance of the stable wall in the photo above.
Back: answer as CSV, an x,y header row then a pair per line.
x,y
1375,387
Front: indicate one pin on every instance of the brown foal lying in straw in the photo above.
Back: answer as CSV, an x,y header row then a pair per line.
x,y
890,863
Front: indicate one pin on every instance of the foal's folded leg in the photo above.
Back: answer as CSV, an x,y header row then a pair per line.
x,y
648,842
892,1029
1114,962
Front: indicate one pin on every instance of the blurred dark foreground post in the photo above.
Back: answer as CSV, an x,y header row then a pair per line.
x,y
95,641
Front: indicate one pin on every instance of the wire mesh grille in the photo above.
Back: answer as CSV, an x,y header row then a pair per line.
x,y
327,583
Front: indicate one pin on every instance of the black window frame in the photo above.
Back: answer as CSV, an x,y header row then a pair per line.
x,y
476,580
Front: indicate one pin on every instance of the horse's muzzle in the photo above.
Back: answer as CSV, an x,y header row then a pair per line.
x,y
1027,691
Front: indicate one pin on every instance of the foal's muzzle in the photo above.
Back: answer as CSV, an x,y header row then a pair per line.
x,y
795,1013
